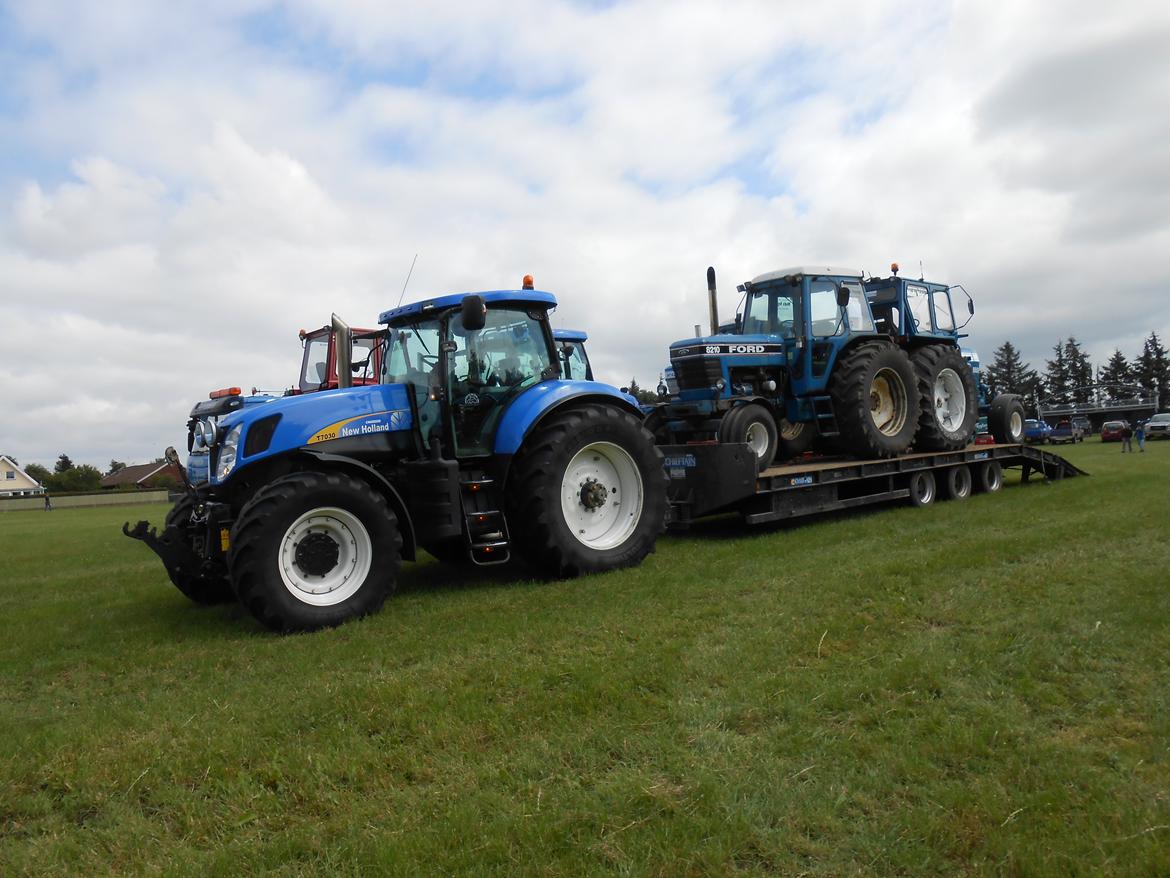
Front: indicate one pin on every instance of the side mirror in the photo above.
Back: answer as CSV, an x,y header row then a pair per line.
x,y
738,323
971,307
842,296
474,313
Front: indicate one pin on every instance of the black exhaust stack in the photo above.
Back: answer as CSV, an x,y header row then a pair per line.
x,y
712,301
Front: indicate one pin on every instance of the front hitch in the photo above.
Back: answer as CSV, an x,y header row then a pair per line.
x,y
171,547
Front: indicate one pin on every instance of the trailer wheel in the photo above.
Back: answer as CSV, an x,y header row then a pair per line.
x,y
1006,419
988,477
947,396
313,550
753,424
875,399
922,488
211,584
795,438
958,483
587,493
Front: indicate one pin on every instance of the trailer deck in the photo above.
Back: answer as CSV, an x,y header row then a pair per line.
x,y
709,478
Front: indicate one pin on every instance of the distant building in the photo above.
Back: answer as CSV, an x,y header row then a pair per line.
x,y
15,482
144,475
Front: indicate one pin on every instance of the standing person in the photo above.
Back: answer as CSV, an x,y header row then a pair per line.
x,y
1127,438
48,503
1140,435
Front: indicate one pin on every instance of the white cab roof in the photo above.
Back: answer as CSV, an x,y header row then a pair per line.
x,y
807,269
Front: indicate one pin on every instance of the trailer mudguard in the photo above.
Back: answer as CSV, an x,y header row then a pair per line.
x,y
531,406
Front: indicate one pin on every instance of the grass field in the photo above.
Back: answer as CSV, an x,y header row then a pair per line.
x,y
980,687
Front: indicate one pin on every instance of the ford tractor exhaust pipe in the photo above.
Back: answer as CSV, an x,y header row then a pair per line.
x,y
712,301
343,345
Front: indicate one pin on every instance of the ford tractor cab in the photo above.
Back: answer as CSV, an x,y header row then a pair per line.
x,y
802,359
472,445
571,348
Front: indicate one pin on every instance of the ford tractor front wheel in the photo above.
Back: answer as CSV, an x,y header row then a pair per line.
x,y
313,550
875,400
587,493
754,425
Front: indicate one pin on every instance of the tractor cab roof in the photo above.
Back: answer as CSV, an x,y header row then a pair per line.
x,y
453,300
570,335
809,270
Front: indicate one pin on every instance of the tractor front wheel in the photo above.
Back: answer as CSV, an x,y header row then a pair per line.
x,y
313,550
210,585
875,399
754,425
587,493
1006,419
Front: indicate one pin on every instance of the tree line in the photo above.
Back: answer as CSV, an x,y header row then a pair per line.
x,y
1069,373
66,476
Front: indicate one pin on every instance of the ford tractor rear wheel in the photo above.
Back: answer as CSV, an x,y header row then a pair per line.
x,y
795,438
313,550
875,400
754,425
1006,419
209,585
587,493
947,396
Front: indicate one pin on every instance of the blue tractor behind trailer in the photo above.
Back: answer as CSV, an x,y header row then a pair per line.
x,y
472,445
824,353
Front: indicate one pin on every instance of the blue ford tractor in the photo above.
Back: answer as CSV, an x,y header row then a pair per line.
x,y
803,359
919,316
473,444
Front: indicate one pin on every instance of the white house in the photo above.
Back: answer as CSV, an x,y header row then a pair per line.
x,y
15,482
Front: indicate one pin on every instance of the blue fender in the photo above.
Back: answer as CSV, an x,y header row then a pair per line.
x,y
530,407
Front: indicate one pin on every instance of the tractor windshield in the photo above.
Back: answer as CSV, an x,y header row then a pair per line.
x,y
773,312
412,353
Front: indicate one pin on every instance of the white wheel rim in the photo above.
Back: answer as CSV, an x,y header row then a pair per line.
x,y
354,555
887,402
1017,425
950,400
757,439
790,431
602,496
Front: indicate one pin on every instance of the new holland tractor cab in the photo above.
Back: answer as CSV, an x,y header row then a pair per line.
x,y
802,359
470,445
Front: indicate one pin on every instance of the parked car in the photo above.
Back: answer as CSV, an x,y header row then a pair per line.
x,y
1066,431
1112,431
1036,432
982,435
1158,427
1085,424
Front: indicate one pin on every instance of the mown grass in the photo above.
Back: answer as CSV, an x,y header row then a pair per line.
x,y
974,688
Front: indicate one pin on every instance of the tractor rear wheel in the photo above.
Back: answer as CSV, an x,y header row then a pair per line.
x,y
875,399
795,438
587,493
753,424
208,586
1006,419
947,396
313,550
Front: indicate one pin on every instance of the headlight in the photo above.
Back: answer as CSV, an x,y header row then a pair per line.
x,y
204,434
227,454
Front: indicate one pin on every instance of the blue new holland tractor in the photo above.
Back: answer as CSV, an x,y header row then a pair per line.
x,y
473,444
872,367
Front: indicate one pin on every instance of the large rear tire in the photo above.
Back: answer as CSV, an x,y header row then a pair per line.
x,y
313,550
1005,419
587,493
210,585
875,399
947,397
795,438
752,424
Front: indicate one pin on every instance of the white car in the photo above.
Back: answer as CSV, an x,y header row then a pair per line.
x,y
1158,426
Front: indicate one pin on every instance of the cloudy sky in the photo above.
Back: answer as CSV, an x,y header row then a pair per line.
x,y
184,186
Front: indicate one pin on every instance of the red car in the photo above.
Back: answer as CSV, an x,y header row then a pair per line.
x,y
1113,431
